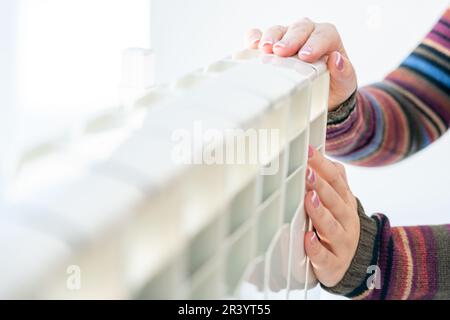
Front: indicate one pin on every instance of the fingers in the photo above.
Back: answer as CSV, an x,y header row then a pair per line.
x,y
343,79
270,37
322,41
339,66
332,173
321,258
328,196
324,222
326,265
294,38
311,41
341,171
331,198
252,38
350,198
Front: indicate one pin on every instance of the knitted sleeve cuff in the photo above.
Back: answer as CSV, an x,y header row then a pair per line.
x,y
343,111
356,274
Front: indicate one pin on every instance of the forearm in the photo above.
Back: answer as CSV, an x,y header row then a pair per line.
x,y
388,121
411,262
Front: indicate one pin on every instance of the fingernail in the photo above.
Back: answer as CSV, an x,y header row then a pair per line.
x,y
310,152
315,199
266,42
305,51
281,44
310,176
339,62
314,238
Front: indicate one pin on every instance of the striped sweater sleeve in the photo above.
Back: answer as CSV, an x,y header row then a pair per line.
x,y
390,120
398,262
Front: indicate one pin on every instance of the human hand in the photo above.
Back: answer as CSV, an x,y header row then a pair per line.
x,y
310,41
332,209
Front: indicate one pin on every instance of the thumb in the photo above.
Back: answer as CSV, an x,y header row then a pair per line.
x,y
342,79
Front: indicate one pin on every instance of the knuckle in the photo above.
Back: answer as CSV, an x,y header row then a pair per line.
x,y
299,28
323,189
313,251
320,33
277,28
318,159
332,227
350,199
335,176
302,25
306,20
320,214
253,31
329,27
340,168
326,30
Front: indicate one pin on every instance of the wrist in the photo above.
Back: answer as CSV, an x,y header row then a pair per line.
x,y
343,110
365,256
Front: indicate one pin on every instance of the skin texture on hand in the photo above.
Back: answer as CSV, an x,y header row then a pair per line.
x,y
332,209
310,41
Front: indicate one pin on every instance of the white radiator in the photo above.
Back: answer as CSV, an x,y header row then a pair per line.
x,y
140,225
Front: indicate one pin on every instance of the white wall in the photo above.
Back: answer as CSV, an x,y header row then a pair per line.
x,y
70,51
8,35
61,61
377,35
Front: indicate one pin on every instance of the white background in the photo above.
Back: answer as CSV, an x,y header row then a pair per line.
x,y
60,61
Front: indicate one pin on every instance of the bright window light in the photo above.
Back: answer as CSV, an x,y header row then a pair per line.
x,y
70,56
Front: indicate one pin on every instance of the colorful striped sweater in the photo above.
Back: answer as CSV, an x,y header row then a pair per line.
x,y
381,124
